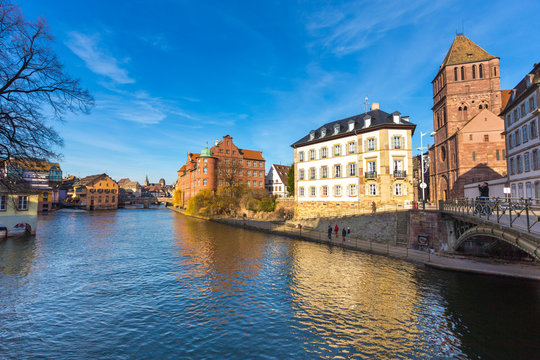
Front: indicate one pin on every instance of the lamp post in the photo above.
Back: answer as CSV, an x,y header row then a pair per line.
x,y
423,184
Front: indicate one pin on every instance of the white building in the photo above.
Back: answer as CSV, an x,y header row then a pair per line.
x,y
276,180
522,141
347,165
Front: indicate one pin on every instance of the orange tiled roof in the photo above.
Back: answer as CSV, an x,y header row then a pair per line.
x,y
463,50
251,154
193,157
505,97
183,168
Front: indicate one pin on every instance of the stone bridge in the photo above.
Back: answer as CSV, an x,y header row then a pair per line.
x,y
514,221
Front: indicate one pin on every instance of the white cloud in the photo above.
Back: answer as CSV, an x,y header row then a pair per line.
x,y
95,57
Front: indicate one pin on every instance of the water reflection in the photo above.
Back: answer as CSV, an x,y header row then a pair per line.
x,y
155,284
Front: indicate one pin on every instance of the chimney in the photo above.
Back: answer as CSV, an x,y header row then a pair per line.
x,y
216,142
374,106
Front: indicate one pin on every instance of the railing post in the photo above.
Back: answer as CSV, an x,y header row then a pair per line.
x,y
527,214
497,203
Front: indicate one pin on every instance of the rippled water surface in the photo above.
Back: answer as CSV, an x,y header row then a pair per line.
x,y
153,284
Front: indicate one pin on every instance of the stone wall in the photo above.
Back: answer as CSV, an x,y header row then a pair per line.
x,y
318,209
428,229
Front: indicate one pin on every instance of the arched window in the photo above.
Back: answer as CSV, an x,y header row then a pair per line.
x,y
463,73
460,109
495,71
480,71
485,106
480,106
474,71
465,108
455,74
444,116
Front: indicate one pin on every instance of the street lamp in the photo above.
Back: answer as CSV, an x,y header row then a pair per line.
x,y
423,184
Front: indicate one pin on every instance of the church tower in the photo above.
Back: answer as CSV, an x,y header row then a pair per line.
x,y
466,88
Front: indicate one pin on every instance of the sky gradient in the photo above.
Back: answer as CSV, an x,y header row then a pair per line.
x,y
169,76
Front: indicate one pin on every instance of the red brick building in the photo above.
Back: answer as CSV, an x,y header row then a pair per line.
x,y
467,98
222,165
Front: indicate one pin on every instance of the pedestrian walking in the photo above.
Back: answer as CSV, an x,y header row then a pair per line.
x,y
373,207
343,233
329,232
336,229
349,233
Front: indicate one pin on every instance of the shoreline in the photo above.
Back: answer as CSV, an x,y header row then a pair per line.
x,y
434,260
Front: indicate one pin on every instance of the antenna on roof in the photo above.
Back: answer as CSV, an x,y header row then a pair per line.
x,y
366,102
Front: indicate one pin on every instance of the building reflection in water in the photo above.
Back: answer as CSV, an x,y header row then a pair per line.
x,y
17,255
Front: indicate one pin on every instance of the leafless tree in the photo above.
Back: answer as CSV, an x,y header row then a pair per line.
x,y
230,171
35,90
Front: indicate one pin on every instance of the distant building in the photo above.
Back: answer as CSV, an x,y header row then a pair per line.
x,y
41,175
220,166
522,141
346,165
276,180
467,99
18,212
131,188
95,192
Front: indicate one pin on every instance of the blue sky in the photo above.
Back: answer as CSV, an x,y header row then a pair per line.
x,y
169,76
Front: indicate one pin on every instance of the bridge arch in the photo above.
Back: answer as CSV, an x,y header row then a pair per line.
x,y
528,246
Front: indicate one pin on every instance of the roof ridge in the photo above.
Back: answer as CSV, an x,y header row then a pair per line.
x,y
464,50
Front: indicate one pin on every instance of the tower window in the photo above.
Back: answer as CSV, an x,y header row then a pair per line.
x,y
495,71
480,71
463,73
455,74
474,71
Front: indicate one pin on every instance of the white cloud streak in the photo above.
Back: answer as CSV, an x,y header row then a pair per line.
x,y
89,49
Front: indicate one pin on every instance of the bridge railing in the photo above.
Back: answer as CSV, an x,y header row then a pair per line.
x,y
520,213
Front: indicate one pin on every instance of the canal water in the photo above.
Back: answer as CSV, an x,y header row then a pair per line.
x,y
152,284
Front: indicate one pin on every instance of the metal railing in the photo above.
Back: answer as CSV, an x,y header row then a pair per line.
x,y
371,174
400,174
519,213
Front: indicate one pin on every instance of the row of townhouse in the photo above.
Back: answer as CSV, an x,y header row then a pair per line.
x,y
521,116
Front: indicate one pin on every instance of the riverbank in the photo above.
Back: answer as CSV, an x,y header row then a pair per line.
x,y
400,251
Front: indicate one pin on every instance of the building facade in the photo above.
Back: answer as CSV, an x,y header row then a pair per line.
x,y
276,180
41,175
95,192
346,166
220,166
521,116
469,145
18,213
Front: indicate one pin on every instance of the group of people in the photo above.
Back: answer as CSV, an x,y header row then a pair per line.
x,y
345,233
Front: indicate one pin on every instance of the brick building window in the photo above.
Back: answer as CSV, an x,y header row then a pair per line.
x,y
260,183
205,182
497,156
486,138
463,73
473,156
474,71
455,74
480,71
470,137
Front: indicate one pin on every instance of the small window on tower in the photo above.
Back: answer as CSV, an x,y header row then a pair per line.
x,y
486,138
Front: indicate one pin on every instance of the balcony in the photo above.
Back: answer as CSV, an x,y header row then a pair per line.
x,y
400,174
371,174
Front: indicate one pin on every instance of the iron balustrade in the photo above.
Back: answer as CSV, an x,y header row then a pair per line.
x,y
400,174
371,174
520,213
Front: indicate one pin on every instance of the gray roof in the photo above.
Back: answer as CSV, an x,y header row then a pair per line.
x,y
378,118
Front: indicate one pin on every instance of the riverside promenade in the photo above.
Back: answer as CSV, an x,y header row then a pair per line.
x,y
443,261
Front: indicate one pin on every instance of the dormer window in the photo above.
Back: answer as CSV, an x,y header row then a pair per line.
x,y
351,125
312,135
396,117
323,132
336,129
367,121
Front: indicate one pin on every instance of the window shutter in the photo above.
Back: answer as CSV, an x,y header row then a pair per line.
x,y
365,145
366,187
377,189
375,143
404,188
393,189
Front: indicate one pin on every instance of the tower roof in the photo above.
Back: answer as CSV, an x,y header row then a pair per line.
x,y
463,51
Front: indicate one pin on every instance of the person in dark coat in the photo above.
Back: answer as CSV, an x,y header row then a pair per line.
x,y
329,232
484,190
343,233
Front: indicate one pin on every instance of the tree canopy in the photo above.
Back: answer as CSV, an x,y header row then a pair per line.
x,y
34,88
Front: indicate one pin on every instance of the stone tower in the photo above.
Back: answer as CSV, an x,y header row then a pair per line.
x,y
467,99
